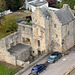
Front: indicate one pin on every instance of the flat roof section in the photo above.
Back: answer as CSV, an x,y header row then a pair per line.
x,y
38,3
18,49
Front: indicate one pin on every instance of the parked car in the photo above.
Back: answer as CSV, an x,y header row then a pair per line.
x,y
54,57
38,68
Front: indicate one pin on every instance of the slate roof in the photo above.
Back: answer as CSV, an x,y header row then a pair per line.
x,y
45,12
38,3
30,0
64,15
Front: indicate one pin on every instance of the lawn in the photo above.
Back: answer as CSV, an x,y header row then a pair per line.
x,y
3,34
8,69
5,70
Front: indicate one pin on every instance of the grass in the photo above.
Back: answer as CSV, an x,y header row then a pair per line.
x,y
5,70
19,14
8,69
3,34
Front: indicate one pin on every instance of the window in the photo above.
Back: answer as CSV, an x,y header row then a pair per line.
x,y
68,32
35,20
27,39
63,41
74,14
56,36
33,51
40,67
54,25
23,28
38,43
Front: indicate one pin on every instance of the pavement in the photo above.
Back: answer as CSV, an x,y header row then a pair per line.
x,y
60,67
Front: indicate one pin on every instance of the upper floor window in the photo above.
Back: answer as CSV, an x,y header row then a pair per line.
x,y
54,25
56,36
74,14
68,32
63,41
38,42
35,20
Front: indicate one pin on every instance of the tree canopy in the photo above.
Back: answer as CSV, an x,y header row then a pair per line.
x,y
14,5
9,23
70,2
2,5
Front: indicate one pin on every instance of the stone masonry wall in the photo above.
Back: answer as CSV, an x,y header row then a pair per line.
x,y
55,29
25,32
38,32
67,36
7,43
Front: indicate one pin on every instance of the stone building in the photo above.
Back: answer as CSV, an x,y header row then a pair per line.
x,y
52,30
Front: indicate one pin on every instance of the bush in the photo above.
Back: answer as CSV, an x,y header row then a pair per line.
x,y
9,23
28,23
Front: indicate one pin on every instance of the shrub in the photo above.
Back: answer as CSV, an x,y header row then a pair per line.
x,y
9,23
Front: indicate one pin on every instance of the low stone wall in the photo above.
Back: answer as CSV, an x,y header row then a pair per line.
x,y
7,43
25,33
11,40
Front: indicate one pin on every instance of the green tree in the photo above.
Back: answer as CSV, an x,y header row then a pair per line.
x,y
2,5
70,2
9,23
14,4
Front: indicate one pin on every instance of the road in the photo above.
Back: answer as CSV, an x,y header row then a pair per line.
x,y
59,67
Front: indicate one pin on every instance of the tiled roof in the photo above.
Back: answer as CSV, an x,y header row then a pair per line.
x,y
64,16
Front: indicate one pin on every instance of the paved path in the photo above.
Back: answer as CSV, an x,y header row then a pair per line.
x,y
59,67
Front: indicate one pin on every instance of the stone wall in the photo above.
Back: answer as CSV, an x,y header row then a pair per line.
x,y
25,32
68,35
4,54
47,35
38,21
55,30
5,44
11,40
